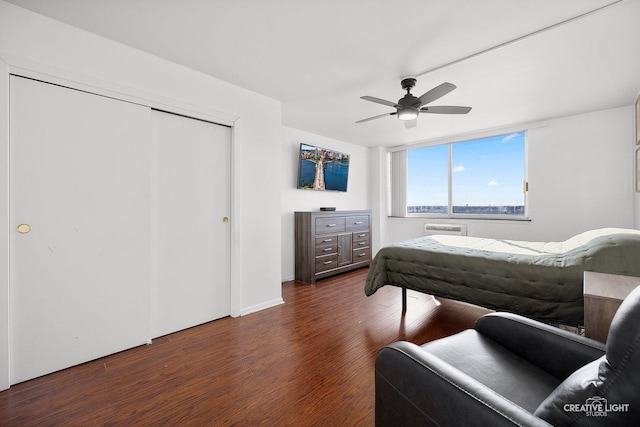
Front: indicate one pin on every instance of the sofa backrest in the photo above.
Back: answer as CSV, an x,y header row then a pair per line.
x,y
606,391
623,344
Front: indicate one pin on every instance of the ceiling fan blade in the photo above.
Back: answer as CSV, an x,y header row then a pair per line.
x,y
445,109
436,92
379,101
411,123
377,117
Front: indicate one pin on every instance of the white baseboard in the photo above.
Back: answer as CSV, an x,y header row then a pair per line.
x,y
261,306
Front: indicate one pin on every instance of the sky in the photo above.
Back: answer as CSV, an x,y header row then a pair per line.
x,y
485,172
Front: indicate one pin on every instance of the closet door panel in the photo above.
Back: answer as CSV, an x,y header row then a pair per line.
x,y
191,238
80,233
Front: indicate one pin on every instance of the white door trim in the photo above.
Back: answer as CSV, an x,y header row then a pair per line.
x,y
4,229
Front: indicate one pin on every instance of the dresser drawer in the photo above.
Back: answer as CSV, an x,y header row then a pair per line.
x,y
330,225
361,255
324,263
361,245
360,236
357,223
329,249
326,240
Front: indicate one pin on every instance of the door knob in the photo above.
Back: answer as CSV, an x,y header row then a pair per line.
x,y
23,228
225,219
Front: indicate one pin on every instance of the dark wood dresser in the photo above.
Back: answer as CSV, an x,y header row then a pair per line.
x,y
329,243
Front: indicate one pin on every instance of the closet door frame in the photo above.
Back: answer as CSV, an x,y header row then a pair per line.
x,y
24,68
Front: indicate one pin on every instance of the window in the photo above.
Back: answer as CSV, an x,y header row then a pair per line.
x,y
428,180
481,177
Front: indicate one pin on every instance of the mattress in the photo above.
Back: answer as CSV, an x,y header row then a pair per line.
x,y
541,280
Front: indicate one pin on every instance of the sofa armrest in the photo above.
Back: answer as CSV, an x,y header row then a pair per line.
x,y
415,388
554,350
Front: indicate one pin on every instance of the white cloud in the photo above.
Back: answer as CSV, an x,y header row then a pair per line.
x,y
458,169
492,183
508,138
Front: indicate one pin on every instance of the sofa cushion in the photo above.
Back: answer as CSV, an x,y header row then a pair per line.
x,y
575,390
494,366
585,399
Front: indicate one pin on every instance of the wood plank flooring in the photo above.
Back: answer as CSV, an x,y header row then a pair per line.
x,y
308,362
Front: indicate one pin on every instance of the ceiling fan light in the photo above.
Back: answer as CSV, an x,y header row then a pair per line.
x,y
407,114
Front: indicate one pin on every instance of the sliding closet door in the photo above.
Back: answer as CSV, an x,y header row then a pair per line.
x,y
190,222
80,255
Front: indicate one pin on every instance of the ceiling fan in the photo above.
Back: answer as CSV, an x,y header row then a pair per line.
x,y
409,107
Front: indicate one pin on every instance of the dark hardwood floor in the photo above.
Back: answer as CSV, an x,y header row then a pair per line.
x,y
308,362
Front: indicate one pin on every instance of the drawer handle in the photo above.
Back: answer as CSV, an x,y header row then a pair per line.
x,y
362,243
357,223
327,262
327,240
326,250
331,225
361,255
362,235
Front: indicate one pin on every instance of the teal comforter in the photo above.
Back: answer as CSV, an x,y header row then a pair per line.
x,y
541,280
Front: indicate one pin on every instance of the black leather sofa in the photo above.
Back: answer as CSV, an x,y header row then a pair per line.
x,y
513,371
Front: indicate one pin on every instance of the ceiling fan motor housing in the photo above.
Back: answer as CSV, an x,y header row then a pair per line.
x,y
409,101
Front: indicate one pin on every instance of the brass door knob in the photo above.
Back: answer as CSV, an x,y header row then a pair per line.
x,y
225,219
23,228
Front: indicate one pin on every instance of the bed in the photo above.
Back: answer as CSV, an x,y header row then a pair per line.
x,y
541,280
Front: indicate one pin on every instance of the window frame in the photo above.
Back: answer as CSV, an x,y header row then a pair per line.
x,y
398,178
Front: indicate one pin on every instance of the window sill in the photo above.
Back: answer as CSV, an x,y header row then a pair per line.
x,y
505,218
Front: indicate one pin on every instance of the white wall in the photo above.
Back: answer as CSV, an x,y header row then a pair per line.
x,y
580,178
62,51
292,199
581,174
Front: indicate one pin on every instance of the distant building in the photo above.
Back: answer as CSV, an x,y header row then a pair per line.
x,y
468,210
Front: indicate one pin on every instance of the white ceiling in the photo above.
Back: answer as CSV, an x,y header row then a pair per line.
x,y
319,56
